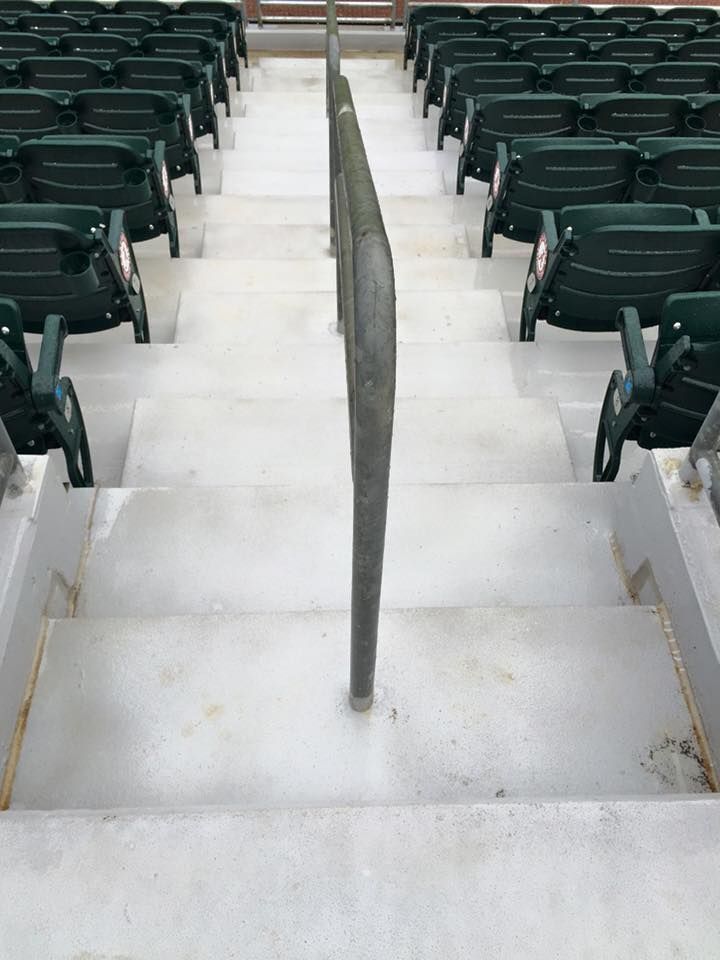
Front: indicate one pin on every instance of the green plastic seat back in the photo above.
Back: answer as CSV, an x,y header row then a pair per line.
x,y
97,46
673,31
518,31
628,255
566,15
598,31
495,13
128,25
630,14
14,8
62,73
494,80
84,9
549,174
185,46
160,73
704,49
705,118
702,16
632,50
154,9
687,384
574,79
436,32
216,28
677,79
30,113
212,8
509,118
710,32
630,116
144,113
429,12
680,171
455,53
48,24
14,46
546,50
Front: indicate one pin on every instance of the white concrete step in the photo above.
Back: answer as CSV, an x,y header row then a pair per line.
x,y
309,210
470,705
271,319
166,278
353,67
278,442
269,124
269,81
156,552
313,106
382,157
421,881
114,372
315,182
257,242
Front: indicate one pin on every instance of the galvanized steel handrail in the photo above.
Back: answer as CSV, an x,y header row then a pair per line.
x,y
703,455
366,317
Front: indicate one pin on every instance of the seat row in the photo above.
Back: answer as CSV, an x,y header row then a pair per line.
x,y
622,118
455,48
562,15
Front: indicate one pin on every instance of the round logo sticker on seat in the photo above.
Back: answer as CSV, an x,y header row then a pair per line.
x,y
165,177
541,256
125,257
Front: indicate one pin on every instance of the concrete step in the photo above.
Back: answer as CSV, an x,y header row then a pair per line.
x,y
476,878
353,67
156,552
165,278
278,442
470,705
315,157
315,182
309,210
280,82
256,242
122,372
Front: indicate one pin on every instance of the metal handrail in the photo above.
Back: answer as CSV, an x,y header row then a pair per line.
x,y
703,456
366,318
12,476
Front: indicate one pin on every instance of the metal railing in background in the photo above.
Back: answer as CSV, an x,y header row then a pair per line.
x,y
311,16
703,456
366,318
12,476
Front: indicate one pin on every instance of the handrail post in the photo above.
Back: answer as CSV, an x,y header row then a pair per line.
x,y
703,456
12,475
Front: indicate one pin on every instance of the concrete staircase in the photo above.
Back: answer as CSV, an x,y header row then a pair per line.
x,y
192,782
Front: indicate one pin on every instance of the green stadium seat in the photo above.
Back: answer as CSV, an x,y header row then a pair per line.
x,y
154,9
425,14
178,76
82,267
12,9
436,32
212,28
39,408
704,49
194,49
132,26
455,53
672,31
495,13
519,31
662,402
589,262
84,9
28,114
630,14
126,173
702,16
504,119
481,80
631,50
546,50
219,8
50,25
535,175
676,79
143,113
630,116
107,47
15,46
598,31
576,78
678,170
64,73
710,32
564,14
